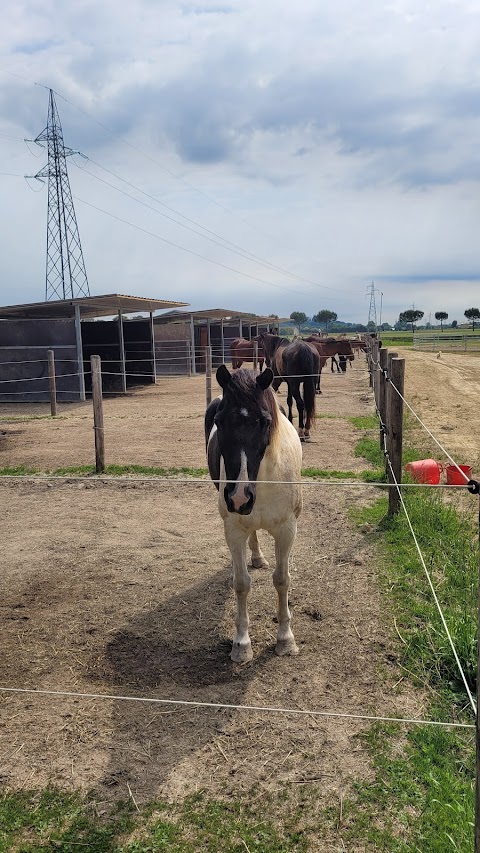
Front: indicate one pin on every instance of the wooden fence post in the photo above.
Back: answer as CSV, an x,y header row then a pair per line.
x,y
98,413
375,375
395,429
387,421
189,358
369,360
51,382
477,722
255,356
382,394
208,374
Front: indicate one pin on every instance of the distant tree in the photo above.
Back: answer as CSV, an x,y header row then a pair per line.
x,y
441,315
411,316
275,316
472,314
298,317
325,317
454,324
371,327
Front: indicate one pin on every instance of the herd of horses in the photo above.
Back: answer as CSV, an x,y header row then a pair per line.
x,y
254,458
300,363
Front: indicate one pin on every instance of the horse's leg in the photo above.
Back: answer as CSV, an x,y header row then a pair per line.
x,y
236,539
289,402
284,538
300,406
258,560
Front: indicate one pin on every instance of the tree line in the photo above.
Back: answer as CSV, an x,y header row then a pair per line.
x,y
413,315
326,318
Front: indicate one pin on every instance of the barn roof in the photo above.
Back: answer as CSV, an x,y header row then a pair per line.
x,y
90,306
215,314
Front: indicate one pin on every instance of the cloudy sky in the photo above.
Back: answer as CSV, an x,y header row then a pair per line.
x,y
280,156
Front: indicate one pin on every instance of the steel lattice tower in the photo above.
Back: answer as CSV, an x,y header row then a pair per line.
x,y
66,277
372,310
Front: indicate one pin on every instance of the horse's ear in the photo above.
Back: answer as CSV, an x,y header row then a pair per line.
x,y
265,379
224,377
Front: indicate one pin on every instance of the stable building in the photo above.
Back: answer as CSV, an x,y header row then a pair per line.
x,y
182,336
76,329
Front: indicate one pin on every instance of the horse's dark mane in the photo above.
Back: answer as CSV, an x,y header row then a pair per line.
x,y
243,384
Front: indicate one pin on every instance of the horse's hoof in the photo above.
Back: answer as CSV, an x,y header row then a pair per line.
x,y
241,652
260,563
286,647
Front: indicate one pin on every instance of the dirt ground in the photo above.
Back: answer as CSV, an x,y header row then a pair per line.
x,y
445,392
124,588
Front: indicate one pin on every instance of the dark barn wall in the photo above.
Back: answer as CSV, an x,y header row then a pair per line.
x,y
100,337
171,348
24,345
138,351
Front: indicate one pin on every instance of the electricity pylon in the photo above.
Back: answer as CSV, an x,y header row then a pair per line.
x,y
66,277
372,310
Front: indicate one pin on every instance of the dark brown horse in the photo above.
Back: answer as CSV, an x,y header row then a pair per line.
x,y
329,348
298,363
242,350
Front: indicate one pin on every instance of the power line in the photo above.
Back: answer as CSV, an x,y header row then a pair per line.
x,y
190,251
190,186
228,243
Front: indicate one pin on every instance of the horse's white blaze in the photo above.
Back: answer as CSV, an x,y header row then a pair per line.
x,y
238,496
244,412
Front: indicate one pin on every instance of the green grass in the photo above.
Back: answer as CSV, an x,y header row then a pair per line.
x,y
50,820
364,421
448,542
324,473
111,470
421,799
155,471
396,339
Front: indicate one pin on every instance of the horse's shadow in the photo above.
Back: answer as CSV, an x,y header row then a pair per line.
x,y
174,651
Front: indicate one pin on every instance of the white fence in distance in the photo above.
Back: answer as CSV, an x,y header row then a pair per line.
x,y
451,341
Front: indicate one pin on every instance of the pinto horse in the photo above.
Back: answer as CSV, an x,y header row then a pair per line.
x,y
242,350
298,363
249,439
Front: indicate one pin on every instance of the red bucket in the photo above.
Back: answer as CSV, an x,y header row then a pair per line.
x,y
455,478
425,471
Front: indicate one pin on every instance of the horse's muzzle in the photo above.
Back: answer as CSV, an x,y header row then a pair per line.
x,y
240,498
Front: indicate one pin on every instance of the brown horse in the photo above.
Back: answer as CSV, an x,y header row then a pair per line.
x,y
297,363
242,350
329,348
358,345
